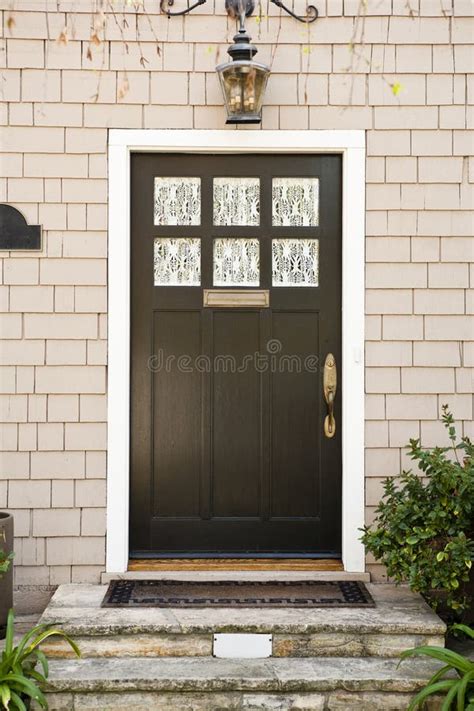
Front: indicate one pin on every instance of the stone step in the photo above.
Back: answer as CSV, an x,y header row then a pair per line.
x,y
400,620
203,684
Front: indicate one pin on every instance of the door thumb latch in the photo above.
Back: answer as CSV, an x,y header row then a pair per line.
x,y
329,390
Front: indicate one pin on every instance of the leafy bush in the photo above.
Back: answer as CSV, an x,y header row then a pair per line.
x,y
5,561
458,687
20,680
423,532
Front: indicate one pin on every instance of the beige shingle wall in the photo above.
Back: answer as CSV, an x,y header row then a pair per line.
x,y
57,108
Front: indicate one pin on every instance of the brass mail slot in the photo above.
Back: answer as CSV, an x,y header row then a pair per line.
x,y
235,298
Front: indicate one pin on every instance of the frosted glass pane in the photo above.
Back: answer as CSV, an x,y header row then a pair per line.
x,y
177,262
295,262
177,201
295,202
236,262
236,201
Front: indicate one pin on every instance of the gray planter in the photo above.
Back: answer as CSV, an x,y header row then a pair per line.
x,y
6,581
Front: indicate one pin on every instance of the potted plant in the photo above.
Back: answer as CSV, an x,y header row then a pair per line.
x,y
24,667
423,532
6,568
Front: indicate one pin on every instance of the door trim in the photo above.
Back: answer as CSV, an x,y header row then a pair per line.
x,y
351,144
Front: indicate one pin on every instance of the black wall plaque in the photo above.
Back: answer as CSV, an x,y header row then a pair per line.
x,y
15,232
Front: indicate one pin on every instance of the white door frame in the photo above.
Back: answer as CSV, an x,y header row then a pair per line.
x,y
351,144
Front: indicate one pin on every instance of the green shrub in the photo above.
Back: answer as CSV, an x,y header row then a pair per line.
x,y
423,532
5,561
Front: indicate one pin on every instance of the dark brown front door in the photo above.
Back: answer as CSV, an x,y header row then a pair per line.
x,y
236,302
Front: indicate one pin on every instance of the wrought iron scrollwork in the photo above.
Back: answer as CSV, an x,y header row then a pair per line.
x,y
169,3
233,8
311,12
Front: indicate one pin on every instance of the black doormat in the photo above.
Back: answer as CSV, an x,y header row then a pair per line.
x,y
224,593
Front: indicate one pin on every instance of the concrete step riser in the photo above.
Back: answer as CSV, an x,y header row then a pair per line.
x,y
298,701
284,645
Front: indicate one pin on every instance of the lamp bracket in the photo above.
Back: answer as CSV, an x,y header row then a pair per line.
x,y
311,12
237,8
170,3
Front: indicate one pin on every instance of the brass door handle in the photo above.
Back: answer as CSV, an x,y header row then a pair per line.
x,y
329,390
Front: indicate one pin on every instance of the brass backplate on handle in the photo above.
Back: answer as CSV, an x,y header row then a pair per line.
x,y
329,390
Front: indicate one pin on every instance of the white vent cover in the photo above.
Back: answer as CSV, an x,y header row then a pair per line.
x,y
242,646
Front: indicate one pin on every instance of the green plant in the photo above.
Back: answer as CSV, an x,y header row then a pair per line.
x,y
458,687
20,680
5,560
423,532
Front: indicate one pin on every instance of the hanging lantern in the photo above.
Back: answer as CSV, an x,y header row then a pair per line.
x,y
242,80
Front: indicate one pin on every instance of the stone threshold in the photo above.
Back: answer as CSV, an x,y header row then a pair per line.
x,y
235,575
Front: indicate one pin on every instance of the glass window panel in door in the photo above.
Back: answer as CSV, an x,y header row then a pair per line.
x,y
295,262
236,201
177,261
295,202
177,201
236,262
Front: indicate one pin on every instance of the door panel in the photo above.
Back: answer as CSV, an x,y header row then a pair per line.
x,y
295,417
236,416
175,477
228,454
